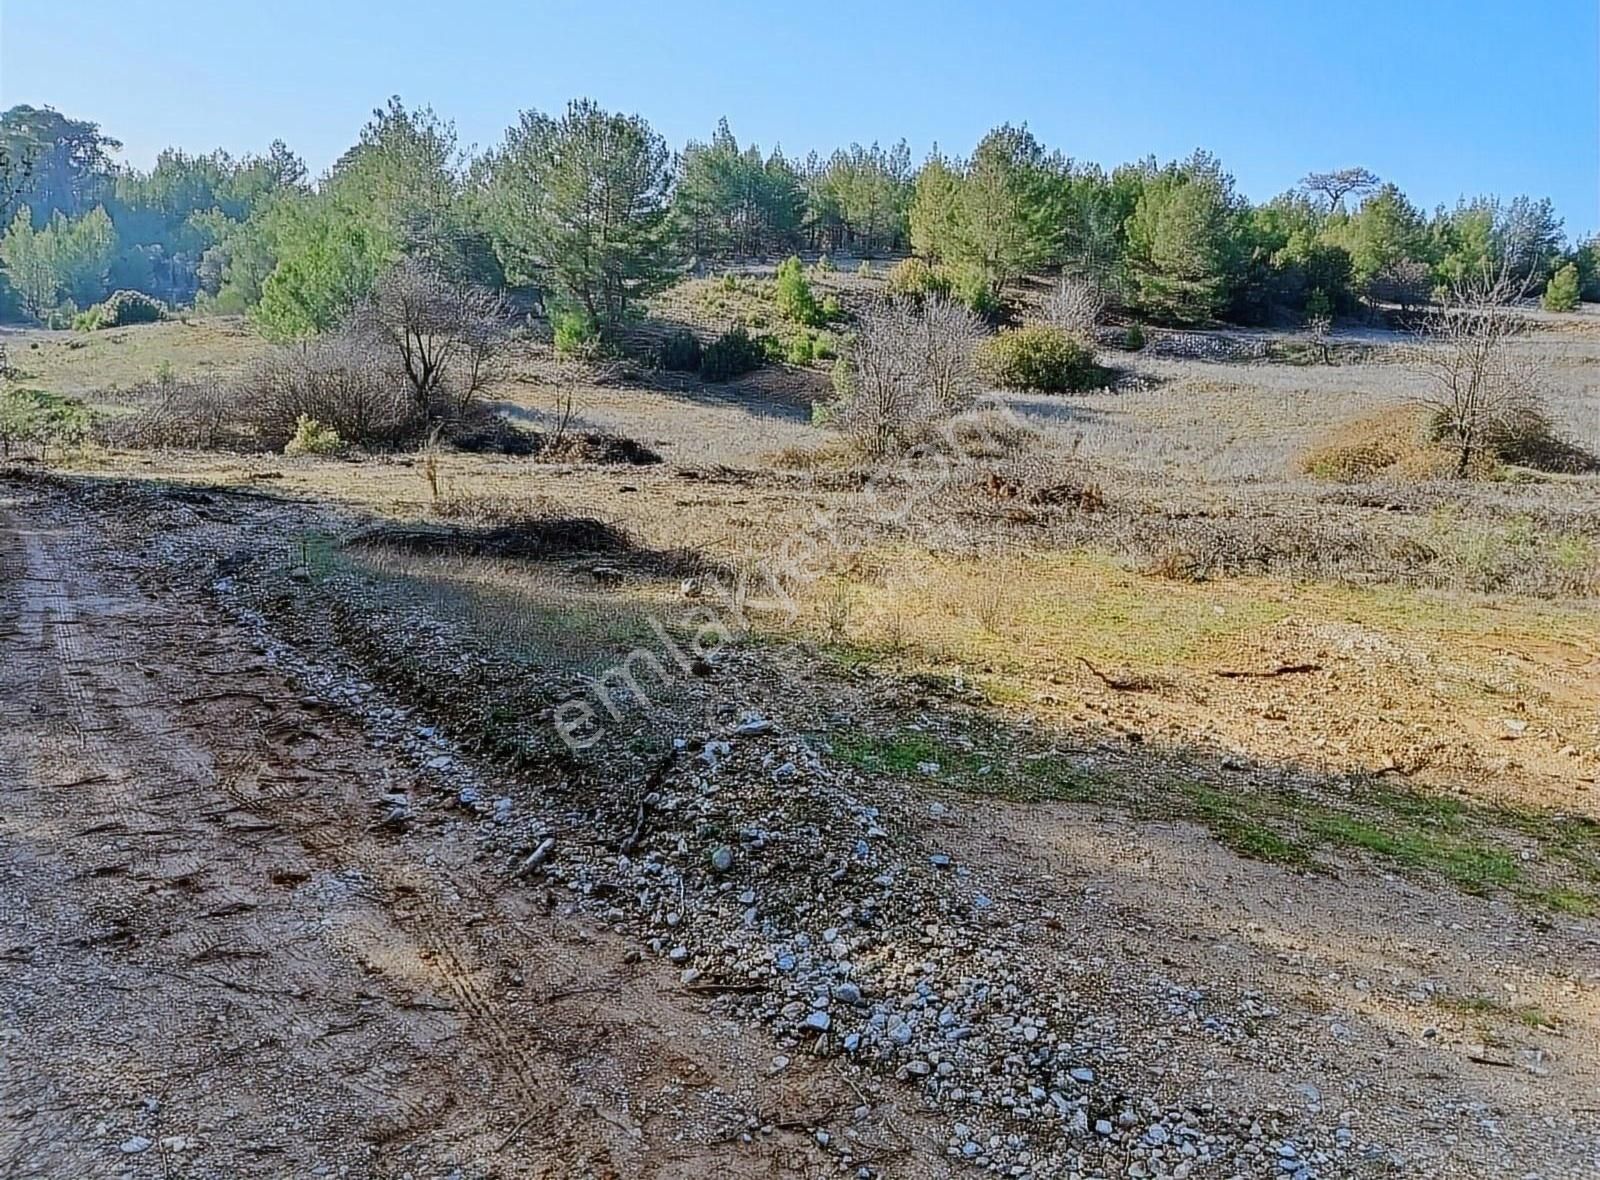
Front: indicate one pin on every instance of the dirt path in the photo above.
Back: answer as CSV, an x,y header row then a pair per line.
x,y
213,962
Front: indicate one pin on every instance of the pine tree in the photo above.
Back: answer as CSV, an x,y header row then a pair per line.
x,y
1561,294
583,198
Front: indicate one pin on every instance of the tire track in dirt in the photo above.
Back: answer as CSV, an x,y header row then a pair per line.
x,y
454,966
235,968
85,674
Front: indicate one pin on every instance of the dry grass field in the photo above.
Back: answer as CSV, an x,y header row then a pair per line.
x,y
1325,753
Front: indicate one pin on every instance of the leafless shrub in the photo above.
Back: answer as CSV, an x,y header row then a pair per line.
x,y
428,465
837,609
1180,563
1027,488
1318,328
944,340
344,382
527,532
1480,386
992,603
910,366
178,415
443,336
1075,306
490,508
990,433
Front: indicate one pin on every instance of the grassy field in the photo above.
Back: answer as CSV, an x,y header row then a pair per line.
x,y
90,366
1443,635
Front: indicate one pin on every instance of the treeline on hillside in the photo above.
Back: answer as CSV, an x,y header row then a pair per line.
x,y
595,211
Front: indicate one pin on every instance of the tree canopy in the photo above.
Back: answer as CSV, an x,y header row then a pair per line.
x,y
595,209
581,200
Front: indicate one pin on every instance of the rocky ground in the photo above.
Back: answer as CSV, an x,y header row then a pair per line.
x,y
283,896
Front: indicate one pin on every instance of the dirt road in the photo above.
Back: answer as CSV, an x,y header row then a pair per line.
x,y
215,962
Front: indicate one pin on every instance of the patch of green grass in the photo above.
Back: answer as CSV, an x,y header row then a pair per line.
x,y
1471,1005
900,753
1475,847
1475,866
1564,901
1489,1008
1057,780
1240,824
847,655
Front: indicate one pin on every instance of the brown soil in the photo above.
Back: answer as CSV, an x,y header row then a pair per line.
x,y
207,942
216,960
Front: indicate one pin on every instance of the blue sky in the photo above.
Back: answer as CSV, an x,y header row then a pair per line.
x,y
1445,97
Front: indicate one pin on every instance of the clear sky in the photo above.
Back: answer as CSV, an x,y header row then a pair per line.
x,y
1444,97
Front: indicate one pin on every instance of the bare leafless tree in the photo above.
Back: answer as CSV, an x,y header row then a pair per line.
x,y
444,335
1481,388
1075,305
1339,184
945,341
910,365
875,387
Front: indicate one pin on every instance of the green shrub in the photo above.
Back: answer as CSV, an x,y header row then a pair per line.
x,y
1039,358
32,417
575,333
802,349
913,278
831,310
313,438
681,352
120,310
1561,294
843,381
825,265
1532,438
131,307
794,297
972,289
1134,340
732,354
